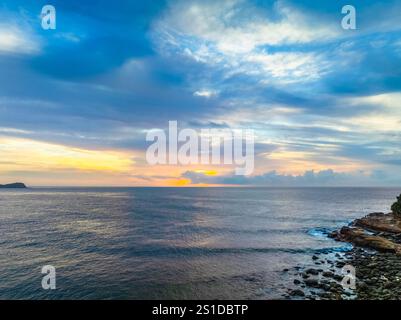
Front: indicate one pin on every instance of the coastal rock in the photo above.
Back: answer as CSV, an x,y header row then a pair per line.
x,y
380,222
297,292
312,271
359,237
328,274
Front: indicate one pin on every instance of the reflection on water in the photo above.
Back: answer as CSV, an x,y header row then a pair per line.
x,y
168,243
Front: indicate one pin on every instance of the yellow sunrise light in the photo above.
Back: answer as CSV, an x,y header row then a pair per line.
x,y
207,172
33,155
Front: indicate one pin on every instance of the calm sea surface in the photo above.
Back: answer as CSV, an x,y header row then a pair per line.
x,y
169,243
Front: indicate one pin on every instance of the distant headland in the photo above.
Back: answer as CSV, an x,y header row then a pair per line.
x,y
17,185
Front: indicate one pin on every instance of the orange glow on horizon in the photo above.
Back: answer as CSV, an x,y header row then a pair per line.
x,y
48,164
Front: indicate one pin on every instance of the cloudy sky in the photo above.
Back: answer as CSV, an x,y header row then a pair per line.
x,y
324,102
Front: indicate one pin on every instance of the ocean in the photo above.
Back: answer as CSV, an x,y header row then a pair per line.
x,y
170,243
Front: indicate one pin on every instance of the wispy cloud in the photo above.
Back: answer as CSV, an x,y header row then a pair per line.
x,y
205,93
14,40
237,26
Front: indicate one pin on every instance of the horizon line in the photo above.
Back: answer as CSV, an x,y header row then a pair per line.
x,y
212,186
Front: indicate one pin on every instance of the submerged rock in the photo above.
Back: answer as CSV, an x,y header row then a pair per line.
x,y
328,274
312,271
297,292
312,283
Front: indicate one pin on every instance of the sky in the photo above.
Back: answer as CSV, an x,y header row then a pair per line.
x,y
77,102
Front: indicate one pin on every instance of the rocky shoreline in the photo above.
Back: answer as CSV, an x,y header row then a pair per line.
x,y
370,270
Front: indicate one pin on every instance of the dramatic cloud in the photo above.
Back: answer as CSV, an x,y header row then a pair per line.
x,y
237,26
238,35
317,96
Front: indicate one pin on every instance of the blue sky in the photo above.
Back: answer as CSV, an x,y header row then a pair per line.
x,y
76,102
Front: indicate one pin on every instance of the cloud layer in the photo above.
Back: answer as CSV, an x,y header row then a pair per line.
x,y
318,97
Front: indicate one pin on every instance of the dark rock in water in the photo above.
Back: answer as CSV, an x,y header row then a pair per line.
x,y
312,272
389,285
251,279
17,185
325,295
296,281
328,274
297,292
312,283
338,277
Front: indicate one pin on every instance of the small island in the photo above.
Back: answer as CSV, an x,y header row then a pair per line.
x,y
16,185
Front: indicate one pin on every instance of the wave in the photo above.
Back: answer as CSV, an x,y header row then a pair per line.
x,y
202,251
